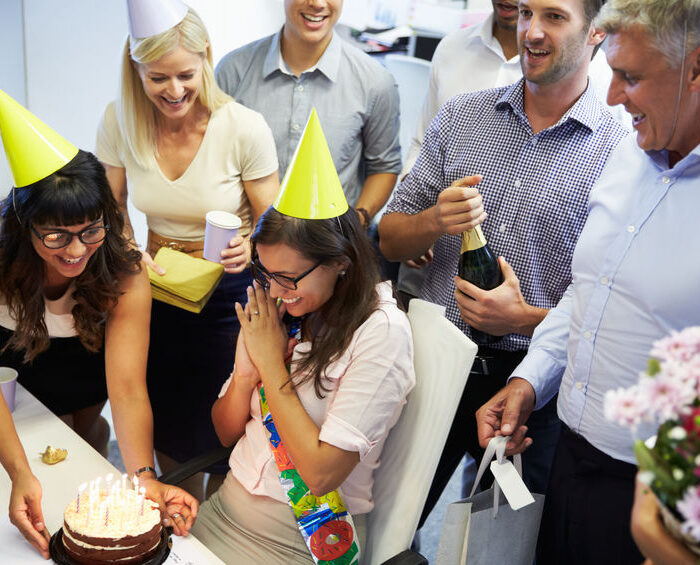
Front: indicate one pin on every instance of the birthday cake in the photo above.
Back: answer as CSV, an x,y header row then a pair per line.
x,y
116,524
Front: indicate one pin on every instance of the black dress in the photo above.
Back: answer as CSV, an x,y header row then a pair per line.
x,y
65,378
189,359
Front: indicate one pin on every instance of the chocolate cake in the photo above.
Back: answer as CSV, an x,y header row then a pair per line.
x,y
120,527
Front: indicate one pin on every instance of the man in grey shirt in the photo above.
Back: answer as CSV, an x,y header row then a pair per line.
x,y
306,65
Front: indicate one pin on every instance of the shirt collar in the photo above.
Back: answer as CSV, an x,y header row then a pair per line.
x,y
490,42
328,64
660,159
587,110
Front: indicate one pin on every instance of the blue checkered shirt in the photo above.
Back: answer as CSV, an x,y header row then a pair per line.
x,y
535,188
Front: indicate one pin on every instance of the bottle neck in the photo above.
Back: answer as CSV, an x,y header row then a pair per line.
x,y
473,239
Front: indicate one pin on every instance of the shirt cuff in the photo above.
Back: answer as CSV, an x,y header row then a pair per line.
x,y
340,434
542,372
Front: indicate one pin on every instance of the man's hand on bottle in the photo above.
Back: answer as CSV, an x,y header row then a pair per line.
x,y
459,207
505,415
500,311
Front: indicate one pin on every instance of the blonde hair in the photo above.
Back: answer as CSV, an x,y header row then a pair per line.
x,y
666,22
136,114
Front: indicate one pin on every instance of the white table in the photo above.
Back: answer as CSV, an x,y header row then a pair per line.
x,y
37,427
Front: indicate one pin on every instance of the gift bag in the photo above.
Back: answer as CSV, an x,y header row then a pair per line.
x,y
485,529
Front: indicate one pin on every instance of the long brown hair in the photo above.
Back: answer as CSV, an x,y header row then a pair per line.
x,y
354,297
76,193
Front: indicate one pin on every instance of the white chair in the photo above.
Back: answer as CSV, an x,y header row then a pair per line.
x,y
411,76
443,357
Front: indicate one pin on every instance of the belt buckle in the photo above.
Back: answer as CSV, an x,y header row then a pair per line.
x,y
174,245
484,365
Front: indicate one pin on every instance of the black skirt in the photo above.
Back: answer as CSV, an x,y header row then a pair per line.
x,y
190,356
65,378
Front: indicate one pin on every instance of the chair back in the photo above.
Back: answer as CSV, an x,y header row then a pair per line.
x,y
443,357
412,76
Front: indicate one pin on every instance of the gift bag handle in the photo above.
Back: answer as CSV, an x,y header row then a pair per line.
x,y
497,447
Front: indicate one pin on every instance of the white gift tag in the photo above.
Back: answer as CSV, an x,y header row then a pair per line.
x,y
511,484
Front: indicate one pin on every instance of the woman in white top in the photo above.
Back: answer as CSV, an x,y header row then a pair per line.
x,y
179,147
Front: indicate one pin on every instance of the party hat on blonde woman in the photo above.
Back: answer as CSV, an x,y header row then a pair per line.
x,y
311,188
33,149
151,17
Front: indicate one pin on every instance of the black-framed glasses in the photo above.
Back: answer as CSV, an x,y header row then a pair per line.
x,y
263,276
62,238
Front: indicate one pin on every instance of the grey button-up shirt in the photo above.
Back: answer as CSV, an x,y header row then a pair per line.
x,y
356,99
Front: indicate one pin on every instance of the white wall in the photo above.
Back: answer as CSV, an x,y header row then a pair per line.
x,y
67,54
11,68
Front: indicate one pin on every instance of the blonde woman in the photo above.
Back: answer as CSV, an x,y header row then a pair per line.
x,y
180,147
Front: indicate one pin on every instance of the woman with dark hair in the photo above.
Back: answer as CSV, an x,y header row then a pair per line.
x,y
89,272
75,299
324,363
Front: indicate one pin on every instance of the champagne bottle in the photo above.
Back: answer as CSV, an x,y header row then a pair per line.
x,y
479,266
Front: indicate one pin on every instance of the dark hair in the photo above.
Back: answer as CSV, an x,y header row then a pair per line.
x,y
354,297
76,193
591,9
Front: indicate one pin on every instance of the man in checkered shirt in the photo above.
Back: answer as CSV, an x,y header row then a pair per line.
x,y
533,151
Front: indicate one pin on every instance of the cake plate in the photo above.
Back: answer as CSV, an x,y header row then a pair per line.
x,y
58,553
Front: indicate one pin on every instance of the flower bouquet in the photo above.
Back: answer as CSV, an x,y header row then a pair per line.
x,y
668,393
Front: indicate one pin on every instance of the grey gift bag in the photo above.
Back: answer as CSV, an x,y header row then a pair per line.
x,y
476,531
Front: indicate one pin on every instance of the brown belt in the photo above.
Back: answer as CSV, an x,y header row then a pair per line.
x,y
156,241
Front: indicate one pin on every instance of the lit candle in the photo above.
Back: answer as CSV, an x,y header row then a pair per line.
x,y
108,481
142,496
81,490
136,484
124,479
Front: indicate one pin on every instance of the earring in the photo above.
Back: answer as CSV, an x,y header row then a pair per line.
x,y
342,273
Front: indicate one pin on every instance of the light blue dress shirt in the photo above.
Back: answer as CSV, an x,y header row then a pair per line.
x,y
356,99
636,277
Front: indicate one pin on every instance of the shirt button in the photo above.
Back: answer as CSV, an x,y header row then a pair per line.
x,y
579,385
587,334
295,127
604,280
300,88
630,229
517,183
665,180
502,228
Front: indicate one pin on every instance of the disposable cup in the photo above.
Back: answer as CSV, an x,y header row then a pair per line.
x,y
8,384
221,227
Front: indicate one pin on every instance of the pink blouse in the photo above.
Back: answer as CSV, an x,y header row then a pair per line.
x,y
369,384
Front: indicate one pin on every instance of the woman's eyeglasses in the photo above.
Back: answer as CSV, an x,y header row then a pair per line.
x,y
62,238
263,276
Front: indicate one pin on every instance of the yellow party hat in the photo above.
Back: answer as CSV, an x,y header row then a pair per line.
x,y
33,149
311,188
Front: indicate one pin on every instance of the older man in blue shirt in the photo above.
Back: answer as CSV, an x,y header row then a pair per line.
x,y
636,276
539,146
307,65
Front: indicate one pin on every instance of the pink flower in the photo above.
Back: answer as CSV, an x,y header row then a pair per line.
x,y
681,346
625,406
667,398
689,507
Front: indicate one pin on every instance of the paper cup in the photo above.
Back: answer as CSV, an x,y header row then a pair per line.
x,y
8,384
221,227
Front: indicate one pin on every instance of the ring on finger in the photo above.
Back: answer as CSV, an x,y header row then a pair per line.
x,y
256,313
176,516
